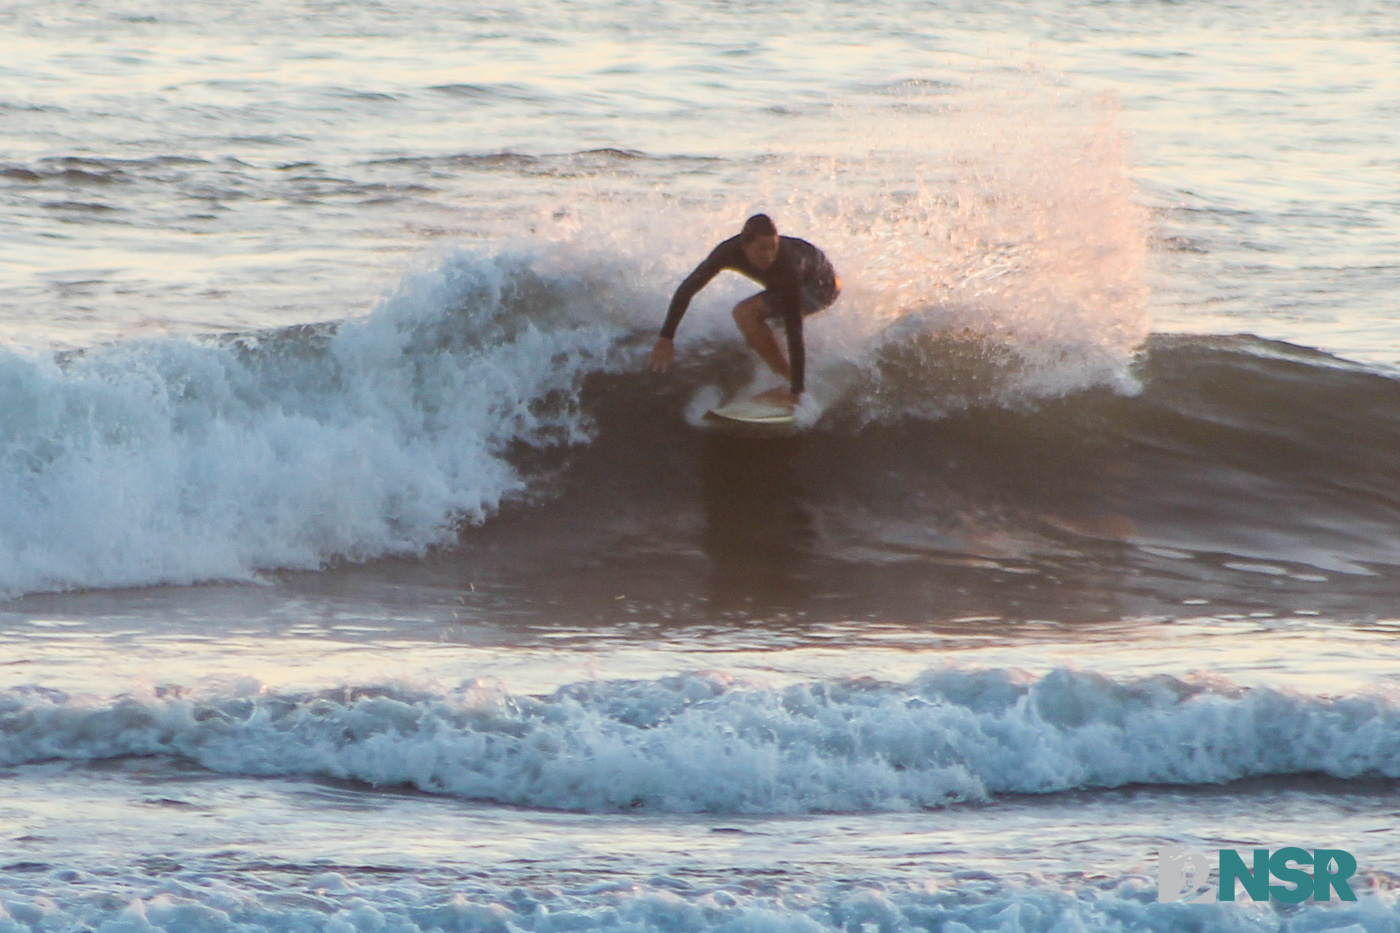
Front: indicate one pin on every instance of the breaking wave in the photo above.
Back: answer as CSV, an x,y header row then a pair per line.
x,y
706,743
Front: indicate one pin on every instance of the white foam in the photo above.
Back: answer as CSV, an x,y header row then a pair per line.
x,y
172,460
705,743
190,903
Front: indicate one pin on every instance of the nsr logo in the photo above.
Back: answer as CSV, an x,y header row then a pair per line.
x,y
1183,874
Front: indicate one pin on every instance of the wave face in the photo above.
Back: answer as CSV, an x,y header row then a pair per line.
x,y
1229,445
1239,471
488,380
178,460
704,743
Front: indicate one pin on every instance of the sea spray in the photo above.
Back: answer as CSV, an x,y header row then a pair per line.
x,y
1000,215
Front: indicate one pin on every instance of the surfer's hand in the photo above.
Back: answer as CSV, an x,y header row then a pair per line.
x,y
661,355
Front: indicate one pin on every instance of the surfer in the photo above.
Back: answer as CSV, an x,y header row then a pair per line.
x,y
798,280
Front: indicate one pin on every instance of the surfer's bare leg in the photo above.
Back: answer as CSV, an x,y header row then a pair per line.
x,y
750,314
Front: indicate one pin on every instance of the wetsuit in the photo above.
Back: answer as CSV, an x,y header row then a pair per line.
x,y
800,281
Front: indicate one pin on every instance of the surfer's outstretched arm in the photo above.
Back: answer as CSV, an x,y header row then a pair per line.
x,y
697,280
665,348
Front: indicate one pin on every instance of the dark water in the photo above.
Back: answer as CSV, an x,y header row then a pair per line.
x,y
1245,474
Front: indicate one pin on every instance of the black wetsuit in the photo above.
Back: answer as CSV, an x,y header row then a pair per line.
x,y
799,282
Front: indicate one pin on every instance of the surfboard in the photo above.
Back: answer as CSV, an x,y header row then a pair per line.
x,y
752,411
827,384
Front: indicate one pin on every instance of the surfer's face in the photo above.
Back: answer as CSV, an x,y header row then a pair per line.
x,y
762,251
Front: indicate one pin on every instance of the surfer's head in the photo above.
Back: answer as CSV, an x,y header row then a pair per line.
x,y
759,240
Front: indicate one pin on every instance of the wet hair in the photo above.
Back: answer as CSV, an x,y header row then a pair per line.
x,y
757,227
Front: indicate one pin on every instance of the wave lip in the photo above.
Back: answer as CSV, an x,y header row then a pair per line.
x,y
703,743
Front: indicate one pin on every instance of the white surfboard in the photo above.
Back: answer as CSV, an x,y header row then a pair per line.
x,y
752,411
827,384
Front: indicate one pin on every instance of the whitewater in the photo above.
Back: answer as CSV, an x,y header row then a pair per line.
x,y
354,577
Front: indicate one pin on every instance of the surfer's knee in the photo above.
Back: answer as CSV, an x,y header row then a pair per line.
x,y
750,311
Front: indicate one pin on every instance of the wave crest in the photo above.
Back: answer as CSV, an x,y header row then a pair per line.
x,y
704,743
180,460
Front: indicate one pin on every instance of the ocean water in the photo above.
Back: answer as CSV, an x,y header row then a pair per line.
x,y
356,579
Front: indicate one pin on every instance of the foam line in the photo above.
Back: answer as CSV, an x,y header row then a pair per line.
x,y
700,743
336,904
